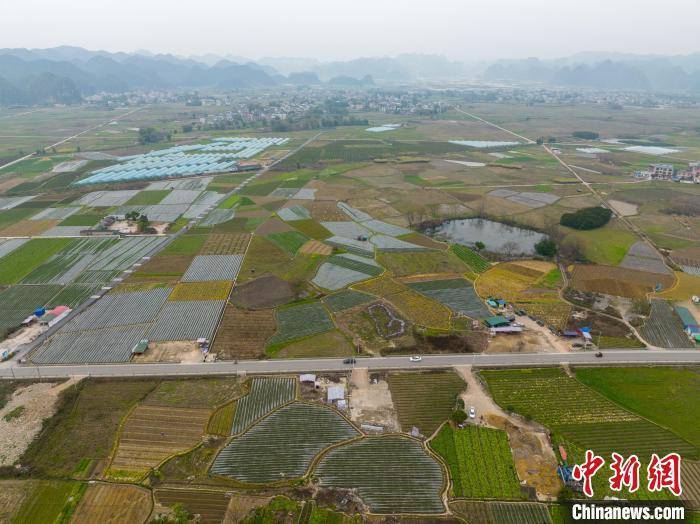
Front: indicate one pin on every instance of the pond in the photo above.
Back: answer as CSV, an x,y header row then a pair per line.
x,y
498,237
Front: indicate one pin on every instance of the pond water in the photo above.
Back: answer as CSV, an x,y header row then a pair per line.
x,y
498,237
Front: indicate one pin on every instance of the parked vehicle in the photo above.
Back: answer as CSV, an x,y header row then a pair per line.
x,y
349,361
415,358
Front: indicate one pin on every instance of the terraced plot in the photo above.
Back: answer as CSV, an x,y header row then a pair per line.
x,y
392,474
480,462
265,395
664,328
579,414
151,434
424,400
209,505
457,294
282,445
301,321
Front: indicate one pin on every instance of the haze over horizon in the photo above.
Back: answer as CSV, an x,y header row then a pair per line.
x,y
309,28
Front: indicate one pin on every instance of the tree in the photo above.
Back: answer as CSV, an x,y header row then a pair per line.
x,y
546,247
458,416
479,245
586,135
586,218
143,223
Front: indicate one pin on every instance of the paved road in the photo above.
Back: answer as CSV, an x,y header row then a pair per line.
x,y
621,357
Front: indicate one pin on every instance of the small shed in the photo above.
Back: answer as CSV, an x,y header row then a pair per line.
x,y
497,321
307,377
690,325
571,334
140,348
335,393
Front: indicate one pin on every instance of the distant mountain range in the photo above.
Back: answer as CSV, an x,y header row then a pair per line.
x,y
66,74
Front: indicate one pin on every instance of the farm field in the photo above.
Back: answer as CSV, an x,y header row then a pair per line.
x,y
243,333
48,501
501,512
210,290
480,462
282,445
664,395
526,284
580,415
113,504
457,294
265,395
210,505
424,400
664,328
383,470
295,322
618,281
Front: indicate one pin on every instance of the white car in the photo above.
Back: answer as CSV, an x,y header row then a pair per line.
x,y
472,412
415,358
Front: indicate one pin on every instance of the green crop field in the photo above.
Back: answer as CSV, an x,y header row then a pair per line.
x,y
474,260
501,512
424,400
346,299
26,258
283,445
578,414
392,474
185,245
83,219
290,241
300,321
480,462
147,198
411,263
311,228
667,396
221,421
49,501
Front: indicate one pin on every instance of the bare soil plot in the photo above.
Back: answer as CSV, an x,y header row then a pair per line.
x,y
315,247
691,483
273,225
113,504
174,351
225,244
210,506
28,228
153,433
611,280
371,402
243,334
641,256
264,292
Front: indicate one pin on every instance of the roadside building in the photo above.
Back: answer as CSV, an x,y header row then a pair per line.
x,y
690,324
497,321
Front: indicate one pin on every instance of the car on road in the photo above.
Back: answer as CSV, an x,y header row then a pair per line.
x,y
349,361
598,354
415,358
472,412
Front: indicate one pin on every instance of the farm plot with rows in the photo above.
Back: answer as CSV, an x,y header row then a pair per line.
x,y
333,276
225,244
65,266
113,504
457,294
243,333
153,433
289,241
210,505
25,258
664,327
416,307
579,414
480,462
209,290
346,299
691,483
99,346
120,309
526,285
124,254
295,322
311,228
213,267
618,281
187,320
474,260
283,445
265,395
501,512
391,474
427,263
424,400
18,302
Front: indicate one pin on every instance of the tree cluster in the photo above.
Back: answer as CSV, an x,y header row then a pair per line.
x,y
586,218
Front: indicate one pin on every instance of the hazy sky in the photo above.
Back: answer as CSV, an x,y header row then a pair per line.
x,y
334,29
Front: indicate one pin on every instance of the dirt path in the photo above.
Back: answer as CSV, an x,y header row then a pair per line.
x,y
22,418
534,459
